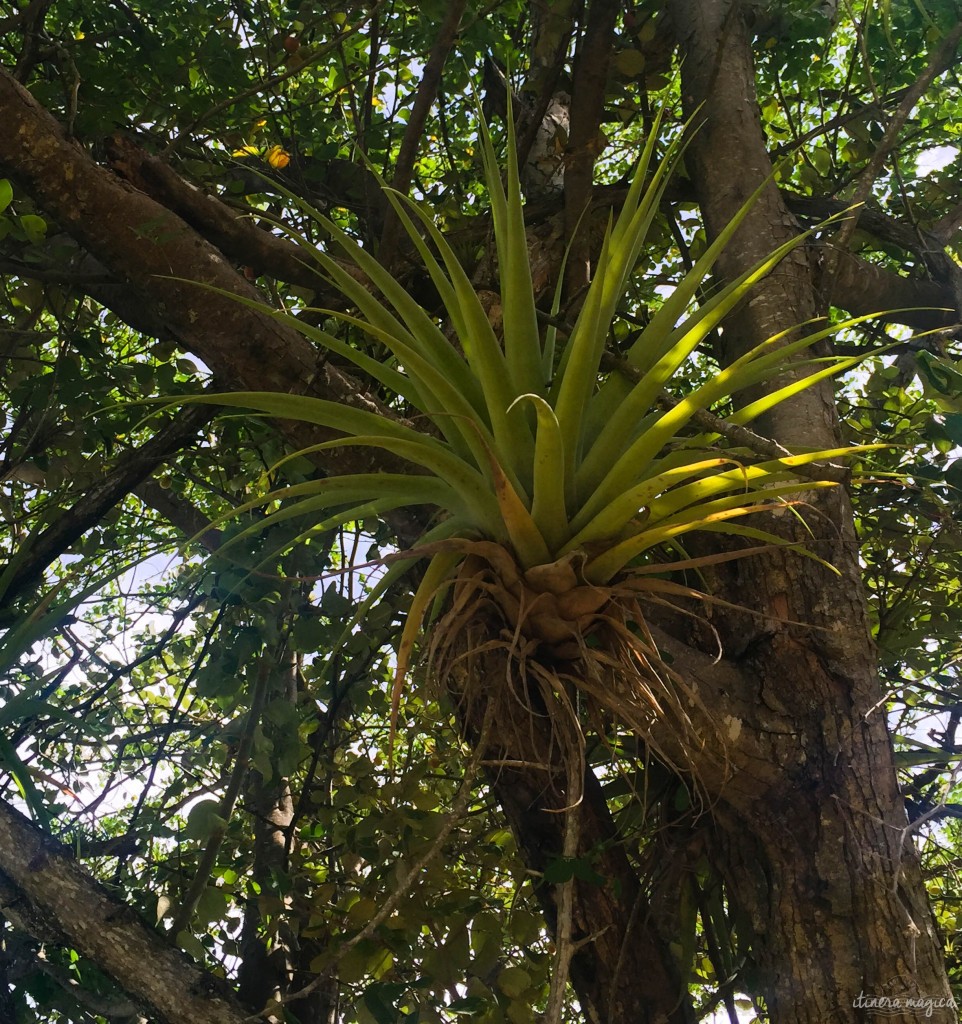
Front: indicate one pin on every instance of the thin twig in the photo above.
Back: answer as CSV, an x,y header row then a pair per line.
x,y
424,98
939,61
226,808
269,83
407,880
564,947
764,447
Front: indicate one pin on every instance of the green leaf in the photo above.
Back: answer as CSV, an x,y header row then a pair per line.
x,y
483,352
12,764
619,253
203,820
622,509
942,380
34,227
953,474
563,869
522,343
514,981
713,514
381,1000
627,411
952,424
469,1006
436,577
548,487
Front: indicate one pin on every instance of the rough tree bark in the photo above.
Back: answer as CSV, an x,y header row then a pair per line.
x,y
49,895
266,968
621,968
810,829
818,852
155,253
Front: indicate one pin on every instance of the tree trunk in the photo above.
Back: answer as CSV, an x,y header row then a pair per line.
x,y
817,851
621,970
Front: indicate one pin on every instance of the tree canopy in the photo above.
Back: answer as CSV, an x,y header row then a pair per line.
x,y
481,511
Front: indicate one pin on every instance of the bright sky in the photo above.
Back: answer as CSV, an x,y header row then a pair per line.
x,y
935,159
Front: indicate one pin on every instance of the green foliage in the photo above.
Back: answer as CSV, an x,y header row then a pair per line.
x,y
126,691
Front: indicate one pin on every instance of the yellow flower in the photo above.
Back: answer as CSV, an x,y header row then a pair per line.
x,y
278,157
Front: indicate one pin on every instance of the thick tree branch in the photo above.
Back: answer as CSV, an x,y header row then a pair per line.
x,y
947,227
860,287
584,142
52,887
864,287
551,29
148,246
236,235
179,513
728,160
131,469
109,1006
623,972
938,62
829,784
164,260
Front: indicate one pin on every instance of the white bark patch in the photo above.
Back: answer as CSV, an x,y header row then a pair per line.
x,y
733,726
